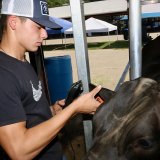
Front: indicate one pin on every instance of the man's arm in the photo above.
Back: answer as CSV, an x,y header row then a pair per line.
x,y
22,143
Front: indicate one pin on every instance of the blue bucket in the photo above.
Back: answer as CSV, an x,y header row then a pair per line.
x,y
59,75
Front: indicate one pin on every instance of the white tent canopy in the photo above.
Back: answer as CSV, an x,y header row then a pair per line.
x,y
95,25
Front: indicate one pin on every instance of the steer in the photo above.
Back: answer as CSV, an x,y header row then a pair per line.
x,y
127,126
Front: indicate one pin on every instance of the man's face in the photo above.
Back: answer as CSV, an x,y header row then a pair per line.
x,y
30,35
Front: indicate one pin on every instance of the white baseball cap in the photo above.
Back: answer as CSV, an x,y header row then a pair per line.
x,y
36,10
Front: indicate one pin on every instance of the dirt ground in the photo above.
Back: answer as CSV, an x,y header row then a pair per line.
x,y
106,66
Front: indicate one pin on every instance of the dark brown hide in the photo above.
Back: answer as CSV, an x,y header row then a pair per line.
x,y
151,59
128,126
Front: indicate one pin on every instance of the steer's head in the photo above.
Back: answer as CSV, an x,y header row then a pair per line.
x,y
127,127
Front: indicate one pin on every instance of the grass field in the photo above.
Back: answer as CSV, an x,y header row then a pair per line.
x,y
94,45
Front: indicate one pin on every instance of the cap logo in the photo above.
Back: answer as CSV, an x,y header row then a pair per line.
x,y
44,8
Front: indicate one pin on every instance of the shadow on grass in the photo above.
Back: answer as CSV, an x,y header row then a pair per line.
x,y
95,45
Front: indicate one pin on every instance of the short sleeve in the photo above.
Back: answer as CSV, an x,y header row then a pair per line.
x,y
11,108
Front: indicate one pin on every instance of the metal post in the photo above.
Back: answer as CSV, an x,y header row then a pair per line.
x,y
37,61
135,31
78,21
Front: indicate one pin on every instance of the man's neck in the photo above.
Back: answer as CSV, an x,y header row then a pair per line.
x,y
12,50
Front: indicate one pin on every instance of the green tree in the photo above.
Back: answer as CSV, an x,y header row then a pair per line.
x,y
57,3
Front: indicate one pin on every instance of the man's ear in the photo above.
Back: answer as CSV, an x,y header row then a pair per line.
x,y
12,20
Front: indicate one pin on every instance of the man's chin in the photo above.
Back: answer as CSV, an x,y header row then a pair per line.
x,y
33,49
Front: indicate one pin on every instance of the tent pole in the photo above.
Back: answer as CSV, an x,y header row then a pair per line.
x,y
65,40
117,34
108,38
62,38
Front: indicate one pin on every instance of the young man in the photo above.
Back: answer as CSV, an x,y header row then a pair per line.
x,y
27,128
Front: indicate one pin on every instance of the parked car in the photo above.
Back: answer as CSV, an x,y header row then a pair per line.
x,y
145,36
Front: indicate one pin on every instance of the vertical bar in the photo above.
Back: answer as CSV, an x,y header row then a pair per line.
x,y
78,21
135,31
37,61
123,76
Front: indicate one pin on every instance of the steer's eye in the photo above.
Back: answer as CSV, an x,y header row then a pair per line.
x,y
145,143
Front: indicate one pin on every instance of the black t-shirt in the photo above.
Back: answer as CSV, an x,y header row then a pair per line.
x,y
22,98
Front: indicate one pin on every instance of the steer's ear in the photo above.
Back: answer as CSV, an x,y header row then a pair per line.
x,y
104,95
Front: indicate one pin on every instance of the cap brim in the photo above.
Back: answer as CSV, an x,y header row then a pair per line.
x,y
47,23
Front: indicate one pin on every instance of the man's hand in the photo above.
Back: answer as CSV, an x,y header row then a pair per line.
x,y
87,103
57,107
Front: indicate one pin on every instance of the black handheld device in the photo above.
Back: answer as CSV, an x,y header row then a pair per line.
x,y
75,90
